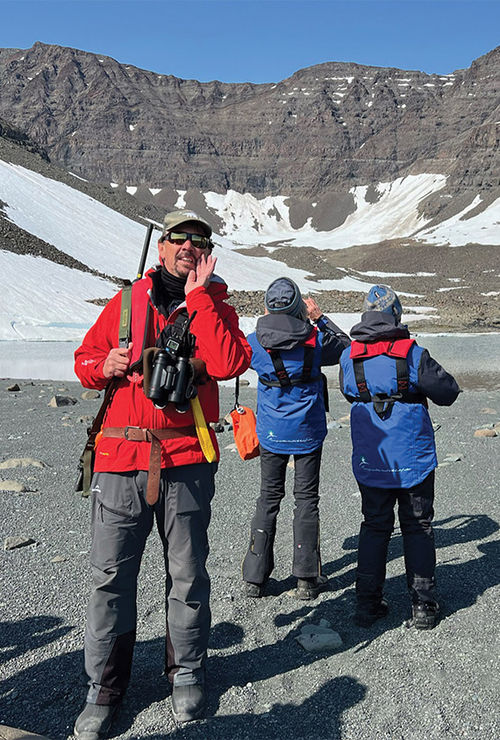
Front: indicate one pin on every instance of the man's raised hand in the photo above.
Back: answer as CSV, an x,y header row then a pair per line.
x,y
200,276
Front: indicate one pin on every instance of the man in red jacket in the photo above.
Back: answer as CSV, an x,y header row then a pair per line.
x,y
156,462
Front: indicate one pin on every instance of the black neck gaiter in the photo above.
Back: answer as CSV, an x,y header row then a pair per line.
x,y
168,291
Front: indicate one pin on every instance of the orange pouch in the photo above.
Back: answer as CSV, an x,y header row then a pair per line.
x,y
245,436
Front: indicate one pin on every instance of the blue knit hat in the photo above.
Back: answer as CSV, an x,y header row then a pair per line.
x,y
283,296
383,298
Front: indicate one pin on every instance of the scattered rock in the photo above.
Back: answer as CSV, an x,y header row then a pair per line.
x,y
87,395
16,541
291,464
345,419
57,401
86,419
317,638
231,447
485,433
12,733
487,410
12,485
13,388
21,462
56,559
436,426
448,460
217,427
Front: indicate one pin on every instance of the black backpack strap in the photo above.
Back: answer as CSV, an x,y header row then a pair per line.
x,y
279,368
403,375
284,379
359,376
382,403
308,363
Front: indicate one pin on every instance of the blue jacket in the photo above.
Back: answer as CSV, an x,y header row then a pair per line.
x,y
394,448
291,419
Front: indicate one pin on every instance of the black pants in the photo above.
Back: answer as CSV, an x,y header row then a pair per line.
x,y
259,560
415,512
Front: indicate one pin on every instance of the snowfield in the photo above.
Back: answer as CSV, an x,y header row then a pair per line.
x,y
43,301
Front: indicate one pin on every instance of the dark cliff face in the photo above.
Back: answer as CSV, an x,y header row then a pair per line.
x,y
326,128
14,135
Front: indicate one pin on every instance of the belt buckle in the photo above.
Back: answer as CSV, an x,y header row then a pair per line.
x,y
125,431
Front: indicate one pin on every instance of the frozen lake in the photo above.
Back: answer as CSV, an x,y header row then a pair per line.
x,y
473,358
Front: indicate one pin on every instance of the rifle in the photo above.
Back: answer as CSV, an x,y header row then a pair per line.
x,y
86,461
145,249
124,332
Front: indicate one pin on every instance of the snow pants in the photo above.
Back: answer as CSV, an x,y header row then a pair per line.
x,y
121,523
259,560
415,512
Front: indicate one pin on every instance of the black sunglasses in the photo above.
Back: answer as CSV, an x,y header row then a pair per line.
x,y
197,240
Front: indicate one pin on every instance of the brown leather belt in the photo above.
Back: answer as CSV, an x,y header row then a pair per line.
x,y
154,436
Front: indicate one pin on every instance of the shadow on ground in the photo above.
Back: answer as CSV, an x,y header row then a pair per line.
x,y
46,697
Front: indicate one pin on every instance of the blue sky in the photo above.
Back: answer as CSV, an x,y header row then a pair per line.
x,y
260,40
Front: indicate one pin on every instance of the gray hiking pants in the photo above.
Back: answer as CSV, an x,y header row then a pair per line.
x,y
121,523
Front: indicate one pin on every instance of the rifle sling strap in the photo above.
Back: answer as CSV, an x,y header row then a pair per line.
x,y
87,456
125,316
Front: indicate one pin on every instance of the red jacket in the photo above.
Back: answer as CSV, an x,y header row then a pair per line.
x,y
219,342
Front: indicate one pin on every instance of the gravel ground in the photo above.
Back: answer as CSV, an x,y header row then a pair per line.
x,y
386,682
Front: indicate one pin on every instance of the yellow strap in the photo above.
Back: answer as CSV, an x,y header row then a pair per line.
x,y
202,431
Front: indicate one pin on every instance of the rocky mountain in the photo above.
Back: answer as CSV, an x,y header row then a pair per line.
x,y
323,130
339,175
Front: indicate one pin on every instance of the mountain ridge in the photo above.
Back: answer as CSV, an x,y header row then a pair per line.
x,y
326,127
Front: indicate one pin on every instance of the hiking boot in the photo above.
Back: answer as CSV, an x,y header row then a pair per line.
x,y
188,702
309,588
94,721
253,590
367,614
425,615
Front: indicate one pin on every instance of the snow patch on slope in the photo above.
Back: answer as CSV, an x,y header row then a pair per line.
x,y
40,300
250,221
458,231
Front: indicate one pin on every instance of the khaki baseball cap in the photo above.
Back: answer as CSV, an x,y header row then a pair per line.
x,y
175,218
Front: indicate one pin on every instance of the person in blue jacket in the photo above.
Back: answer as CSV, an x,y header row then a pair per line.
x,y
287,354
388,378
